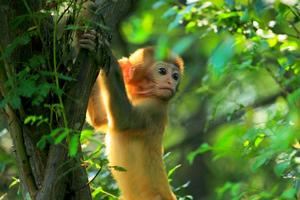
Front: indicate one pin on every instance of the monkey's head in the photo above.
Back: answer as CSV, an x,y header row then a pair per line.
x,y
146,77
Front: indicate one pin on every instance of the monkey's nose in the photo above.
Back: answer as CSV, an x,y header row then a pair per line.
x,y
169,81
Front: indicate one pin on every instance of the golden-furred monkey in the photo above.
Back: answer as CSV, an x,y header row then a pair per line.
x,y
132,100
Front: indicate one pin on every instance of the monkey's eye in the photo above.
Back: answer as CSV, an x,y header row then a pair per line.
x,y
162,71
175,76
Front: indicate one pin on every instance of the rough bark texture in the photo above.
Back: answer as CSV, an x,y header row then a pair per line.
x,y
50,173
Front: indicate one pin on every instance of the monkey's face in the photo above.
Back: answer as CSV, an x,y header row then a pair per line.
x,y
165,78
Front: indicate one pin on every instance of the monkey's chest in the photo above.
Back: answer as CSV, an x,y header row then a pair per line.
x,y
125,150
141,157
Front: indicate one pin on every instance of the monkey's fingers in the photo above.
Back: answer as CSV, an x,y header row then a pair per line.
x,y
87,47
92,32
87,44
89,36
87,41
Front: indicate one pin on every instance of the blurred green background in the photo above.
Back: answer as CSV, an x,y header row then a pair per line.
x,y
234,125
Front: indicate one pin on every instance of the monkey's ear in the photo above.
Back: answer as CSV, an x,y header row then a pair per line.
x,y
127,69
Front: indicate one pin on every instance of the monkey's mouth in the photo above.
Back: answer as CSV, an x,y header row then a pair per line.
x,y
167,88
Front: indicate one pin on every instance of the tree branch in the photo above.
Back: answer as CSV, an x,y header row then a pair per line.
x,y
76,105
22,159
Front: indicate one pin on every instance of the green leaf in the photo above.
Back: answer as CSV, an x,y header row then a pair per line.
x,y
202,149
191,26
19,41
183,44
54,132
281,167
15,182
27,88
175,22
100,190
43,91
245,16
170,12
73,147
222,55
61,136
259,139
171,171
294,97
42,143
289,194
73,27
259,161
138,30
31,119
36,61
158,4
118,168
221,190
86,134
230,2
161,48
15,102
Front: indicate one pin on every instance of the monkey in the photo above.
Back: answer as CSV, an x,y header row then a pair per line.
x,y
131,99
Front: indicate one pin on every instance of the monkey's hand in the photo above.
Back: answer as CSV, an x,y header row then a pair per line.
x,y
96,39
98,46
88,40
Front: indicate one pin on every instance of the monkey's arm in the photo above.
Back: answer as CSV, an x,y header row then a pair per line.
x,y
96,114
122,114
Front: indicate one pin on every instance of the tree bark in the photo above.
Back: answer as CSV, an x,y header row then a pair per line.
x,y
50,173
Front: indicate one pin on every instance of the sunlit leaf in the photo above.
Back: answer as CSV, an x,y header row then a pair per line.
x,y
14,183
191,25
85,134
118,168
171,171
73,146
61,136
259,139
272,41
289,46
246,143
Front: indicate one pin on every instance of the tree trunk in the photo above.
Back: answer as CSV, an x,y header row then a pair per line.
x,y
49,173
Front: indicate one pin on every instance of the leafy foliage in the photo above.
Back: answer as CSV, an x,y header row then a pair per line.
x,y
242,75
251,37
